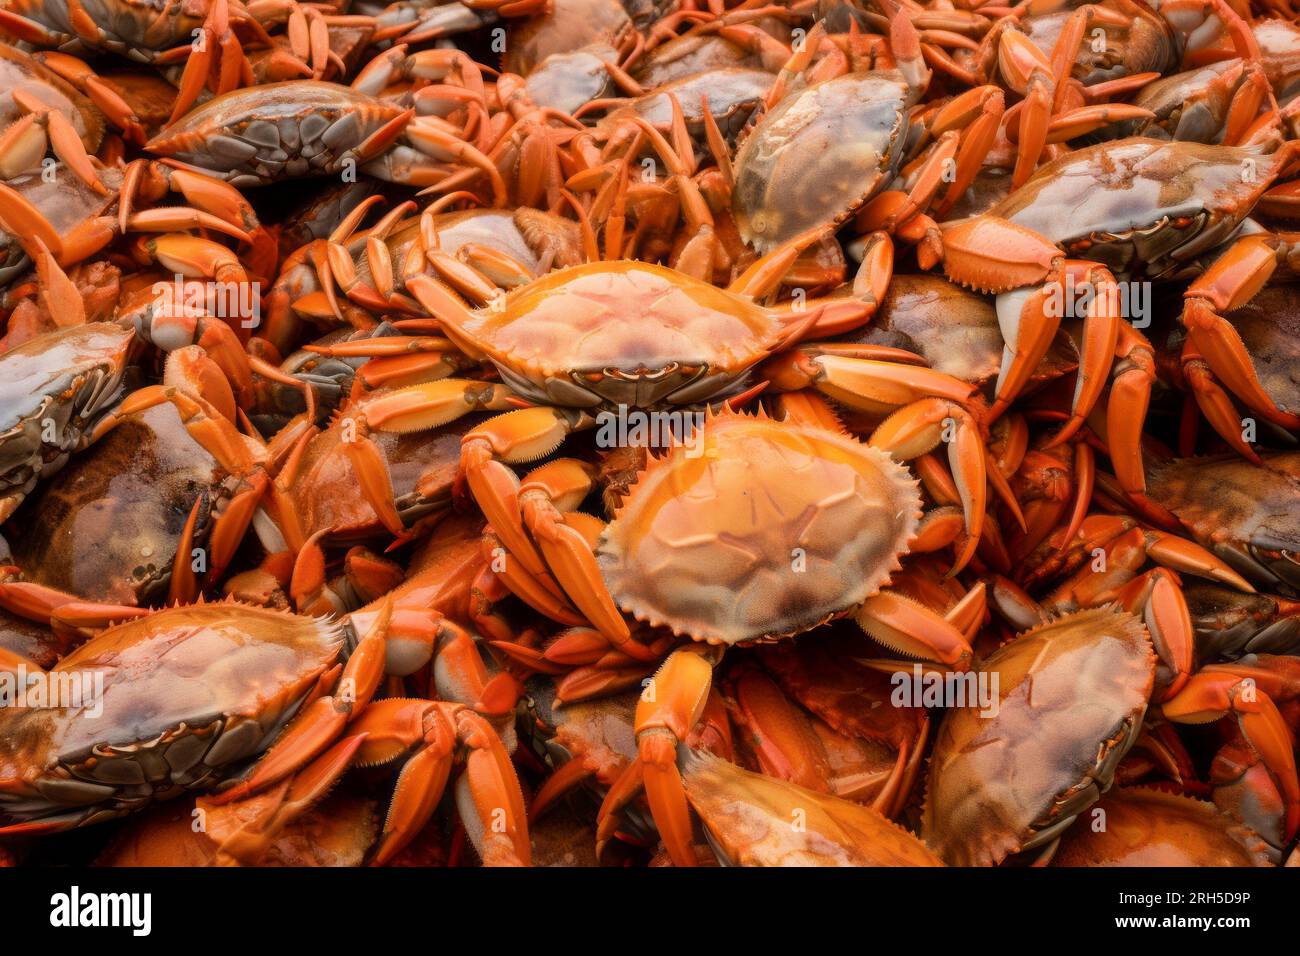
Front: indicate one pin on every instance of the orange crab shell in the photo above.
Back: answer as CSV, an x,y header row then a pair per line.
x,y
621,332
1152,828
1072,694
747,817
764,529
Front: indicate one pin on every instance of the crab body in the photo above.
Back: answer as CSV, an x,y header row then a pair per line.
x,y
1072,695
676,555
622,333
820,154
1246,514
53,390
187,694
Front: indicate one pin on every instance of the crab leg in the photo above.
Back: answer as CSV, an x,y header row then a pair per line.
x,y
911,628
671,705
519,436
409,409
438,729
1229,284
1220,690
65,613
318,725
917,429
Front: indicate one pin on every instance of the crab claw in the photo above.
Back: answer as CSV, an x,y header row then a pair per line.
x,y
917,429
196,258
1218,691
1229,284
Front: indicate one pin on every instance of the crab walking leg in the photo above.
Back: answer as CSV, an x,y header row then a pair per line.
x,y
1126,408
414,408
248,828
497,820
544,496
1242,691
524,435
670,706
1035,283
67,615
319,724
541,593
917,429
1229,284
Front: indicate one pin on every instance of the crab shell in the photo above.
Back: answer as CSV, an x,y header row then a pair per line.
x,y
1246,514
1152,828
621,333
765,530
1071,697
187,693
277,131
138,29
747,818
1142,207
69,377
108,526
819,155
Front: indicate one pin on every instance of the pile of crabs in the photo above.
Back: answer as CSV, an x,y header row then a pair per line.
x,y
624,432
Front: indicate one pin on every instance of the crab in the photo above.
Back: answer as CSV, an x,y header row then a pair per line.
x,y
168,474
1244,514
204,35
62,767
822,152
770,598
1021,250
59,385
1266,327
1072,694
297,128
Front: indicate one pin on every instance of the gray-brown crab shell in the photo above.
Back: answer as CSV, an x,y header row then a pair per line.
x,y
764,529
818,155
1246,514
1071,695
186,693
